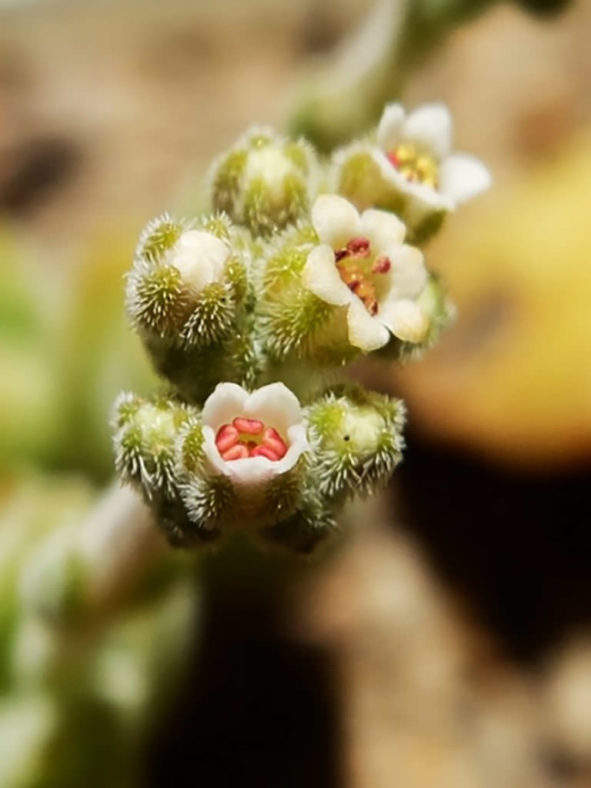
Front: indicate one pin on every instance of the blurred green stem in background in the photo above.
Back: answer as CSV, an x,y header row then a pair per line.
x,y
343,95
96,618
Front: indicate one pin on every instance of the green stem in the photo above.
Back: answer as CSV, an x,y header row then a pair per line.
x,y
344,95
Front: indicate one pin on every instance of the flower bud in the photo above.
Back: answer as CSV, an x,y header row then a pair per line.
x,y
186,283
290,315
144,440
265,181
357,440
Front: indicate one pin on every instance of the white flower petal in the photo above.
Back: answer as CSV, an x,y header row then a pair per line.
x,y
200,257
463,176
250,471
408,275
407,321
275,405
382,228
211,452
321,277
335,220
257,470
430,126
225,403
365,332
298,444
390,126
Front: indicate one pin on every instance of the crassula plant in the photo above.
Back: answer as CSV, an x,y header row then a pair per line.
x,y
252,312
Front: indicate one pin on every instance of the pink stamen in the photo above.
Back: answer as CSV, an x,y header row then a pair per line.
x,y
232,440
248,426
237,452
226,437
381,266
265,451
394,160
356,247
359,247
273,440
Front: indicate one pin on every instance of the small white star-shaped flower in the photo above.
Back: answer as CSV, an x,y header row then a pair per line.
x,y
253,437
363,264
414,157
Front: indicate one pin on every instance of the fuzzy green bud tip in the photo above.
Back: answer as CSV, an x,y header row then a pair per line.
x,y
358,441
144,441
186,293
264,183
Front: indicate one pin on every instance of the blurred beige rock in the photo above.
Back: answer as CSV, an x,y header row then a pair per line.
x,y
567,698
426,699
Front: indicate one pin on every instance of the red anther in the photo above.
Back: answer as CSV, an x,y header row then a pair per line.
x,y
394,160
226,437
273,440
248,426
381,266
340,254
237,452
265,451
359,247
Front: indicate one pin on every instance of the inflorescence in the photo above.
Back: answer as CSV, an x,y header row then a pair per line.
x,y
300,267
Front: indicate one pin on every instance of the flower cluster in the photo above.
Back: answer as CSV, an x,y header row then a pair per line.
x,y
300,267
256,460
407,167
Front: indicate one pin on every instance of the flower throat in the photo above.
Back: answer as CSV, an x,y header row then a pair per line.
x,y
351,263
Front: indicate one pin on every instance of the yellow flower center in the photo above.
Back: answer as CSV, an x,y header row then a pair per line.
x,y
358,267
414,164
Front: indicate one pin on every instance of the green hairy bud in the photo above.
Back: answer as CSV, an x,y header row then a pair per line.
x,y
144,443
187,282
291,317
358,440
187,297
265,181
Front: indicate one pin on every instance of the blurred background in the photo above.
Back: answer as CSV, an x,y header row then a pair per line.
x,y
446,641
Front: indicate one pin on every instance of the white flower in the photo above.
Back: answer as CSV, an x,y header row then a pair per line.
x,y
253,437
414,157
200,257
363,264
